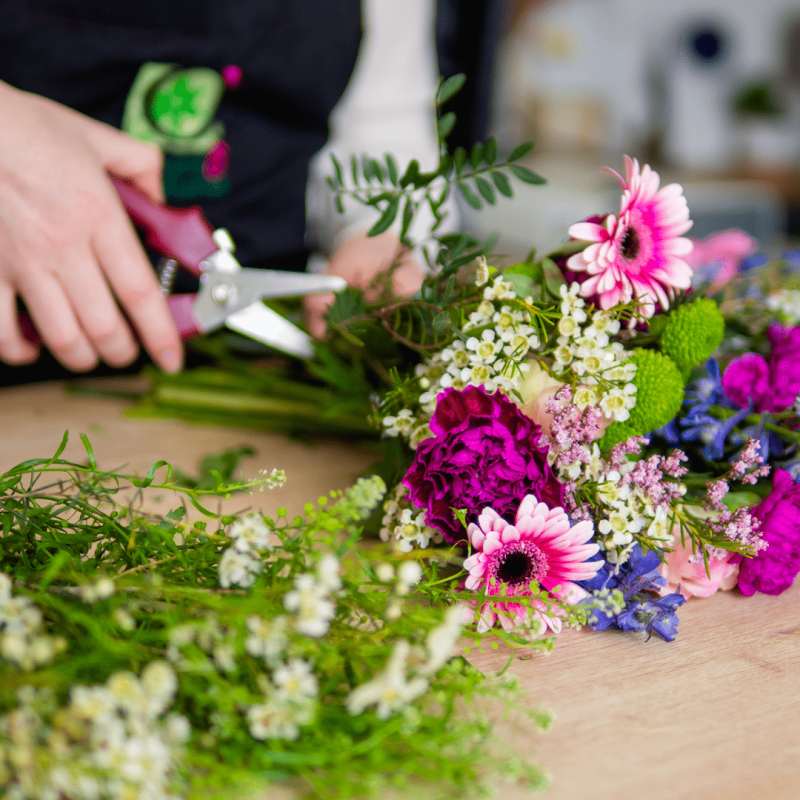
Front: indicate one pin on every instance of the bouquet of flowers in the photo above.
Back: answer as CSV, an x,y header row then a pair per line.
x,y
588,436
593,436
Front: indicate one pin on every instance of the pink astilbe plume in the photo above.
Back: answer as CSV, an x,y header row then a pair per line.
x,y
540,546
637,254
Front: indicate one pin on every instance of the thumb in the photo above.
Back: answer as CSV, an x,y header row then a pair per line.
x,y
141,163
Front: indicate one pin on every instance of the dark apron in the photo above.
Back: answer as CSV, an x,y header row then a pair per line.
x,y
296,58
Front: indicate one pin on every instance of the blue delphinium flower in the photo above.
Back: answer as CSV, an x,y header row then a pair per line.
x,y
697,424
655,615
700,396
712,432
705,392
793,468
771,445
753,262
792,259
670,432
642,611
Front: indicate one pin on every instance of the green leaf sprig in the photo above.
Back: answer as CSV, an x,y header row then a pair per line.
x,y
477,175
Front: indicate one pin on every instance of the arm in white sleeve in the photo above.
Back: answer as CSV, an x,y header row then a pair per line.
x,y
388,107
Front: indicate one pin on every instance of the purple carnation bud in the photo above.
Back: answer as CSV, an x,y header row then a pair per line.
x,y
485,453
769,386
773,570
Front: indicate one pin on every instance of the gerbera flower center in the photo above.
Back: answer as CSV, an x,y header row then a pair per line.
x,y
630,243
519,563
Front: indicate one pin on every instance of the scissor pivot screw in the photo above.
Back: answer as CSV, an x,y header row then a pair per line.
x,y
223,294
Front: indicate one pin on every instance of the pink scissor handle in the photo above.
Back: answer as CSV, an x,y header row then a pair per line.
x,y
181,307
28,329
180,233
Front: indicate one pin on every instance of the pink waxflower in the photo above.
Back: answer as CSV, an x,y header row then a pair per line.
x,y
540,546
639,253
686,573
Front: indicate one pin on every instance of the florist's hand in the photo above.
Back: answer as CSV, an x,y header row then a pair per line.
x,y
359,260
68,243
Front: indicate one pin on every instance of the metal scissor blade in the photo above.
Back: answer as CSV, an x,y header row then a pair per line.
x,y
223,294
275,283
267,326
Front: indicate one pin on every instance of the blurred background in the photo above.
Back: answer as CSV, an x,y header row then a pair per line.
x,y
706,91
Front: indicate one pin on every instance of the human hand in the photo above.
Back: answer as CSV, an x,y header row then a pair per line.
x,y
68,245
359,260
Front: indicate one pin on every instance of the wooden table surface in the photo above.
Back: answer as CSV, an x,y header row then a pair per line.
x,y
715,714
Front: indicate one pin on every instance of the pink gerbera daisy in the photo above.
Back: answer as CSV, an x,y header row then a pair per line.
x,y
540,546
638,254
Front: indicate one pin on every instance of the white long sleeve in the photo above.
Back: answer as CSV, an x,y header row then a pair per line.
x,y
388,107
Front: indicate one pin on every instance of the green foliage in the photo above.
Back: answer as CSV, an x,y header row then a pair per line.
x,y
66,525
693,332
759,99
450,88
368,338
328,395
215,469
477,175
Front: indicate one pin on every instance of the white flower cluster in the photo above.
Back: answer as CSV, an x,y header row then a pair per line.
x,y
786,304
290,687
101,589
290,701
396,686
241,564
364,495
408,575
202,639
404,525
272,480
622,510
266,638
310,599
497,340
110,743
22,640
601,366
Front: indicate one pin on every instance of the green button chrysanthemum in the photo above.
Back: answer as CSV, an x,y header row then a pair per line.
x,y
659,394
693,333
659,391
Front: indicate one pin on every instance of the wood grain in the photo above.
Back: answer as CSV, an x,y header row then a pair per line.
x,y
33,419
716,714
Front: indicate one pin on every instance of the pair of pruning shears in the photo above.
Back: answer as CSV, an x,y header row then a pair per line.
x,y
229,294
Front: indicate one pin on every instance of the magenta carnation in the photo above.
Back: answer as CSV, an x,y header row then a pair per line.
x,y
771,386
484,452
773,570
638,254
784,365
746,380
